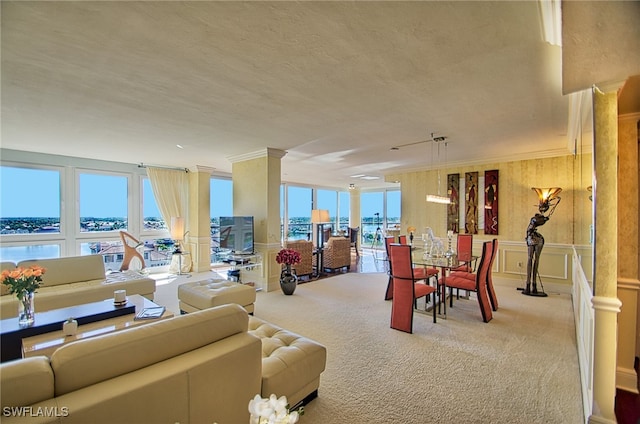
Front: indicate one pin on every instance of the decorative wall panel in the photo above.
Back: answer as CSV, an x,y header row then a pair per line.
x,y
471,203
453,208
491,202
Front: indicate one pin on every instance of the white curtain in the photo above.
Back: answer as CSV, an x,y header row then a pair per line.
x,y
171,190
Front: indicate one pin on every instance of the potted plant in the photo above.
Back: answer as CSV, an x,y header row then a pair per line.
x,y
288,279
23,282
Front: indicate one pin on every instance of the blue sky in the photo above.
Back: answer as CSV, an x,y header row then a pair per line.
x,y
36,193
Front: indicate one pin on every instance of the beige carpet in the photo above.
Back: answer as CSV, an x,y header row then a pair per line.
x,y
520,368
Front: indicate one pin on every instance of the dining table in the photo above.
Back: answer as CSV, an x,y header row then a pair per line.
x,y
445,263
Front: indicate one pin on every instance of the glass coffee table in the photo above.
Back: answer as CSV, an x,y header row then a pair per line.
x,y
46,344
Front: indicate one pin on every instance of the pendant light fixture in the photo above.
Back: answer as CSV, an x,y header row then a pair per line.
x,y
438,198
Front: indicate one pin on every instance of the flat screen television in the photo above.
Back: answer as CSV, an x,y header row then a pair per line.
x,y
236,234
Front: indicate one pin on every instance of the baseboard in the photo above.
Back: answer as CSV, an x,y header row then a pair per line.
x,y
627,380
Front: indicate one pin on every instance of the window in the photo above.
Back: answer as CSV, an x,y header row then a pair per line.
x,y
328,199
220,204
103,202
344,203
379,210
29,251
151,218
299,201
29,201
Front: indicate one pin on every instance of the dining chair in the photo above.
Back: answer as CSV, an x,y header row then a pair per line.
x,y
387,242
490,290
464,250
475,282
406,288
420,272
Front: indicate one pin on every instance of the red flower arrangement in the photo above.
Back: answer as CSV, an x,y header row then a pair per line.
x,y
288,257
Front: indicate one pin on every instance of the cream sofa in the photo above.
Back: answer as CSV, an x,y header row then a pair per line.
x,y
202,367
74,280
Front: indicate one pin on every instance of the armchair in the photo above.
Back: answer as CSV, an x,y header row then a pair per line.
x,y
305,248
337,253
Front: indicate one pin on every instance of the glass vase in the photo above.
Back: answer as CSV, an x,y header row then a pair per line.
x,y
26,309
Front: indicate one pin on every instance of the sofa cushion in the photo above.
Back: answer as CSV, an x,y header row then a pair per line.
x,y
75,364
26,381
291,363
69,269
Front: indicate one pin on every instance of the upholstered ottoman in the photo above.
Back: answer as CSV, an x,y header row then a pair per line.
x,y
198,295
291,364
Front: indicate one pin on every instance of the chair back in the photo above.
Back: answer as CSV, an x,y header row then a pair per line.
x,y
402,239
490,290
481,280
353,235
403,287
326,235
465,247
401,263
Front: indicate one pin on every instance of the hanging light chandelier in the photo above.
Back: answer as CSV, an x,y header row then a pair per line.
x,y
438,198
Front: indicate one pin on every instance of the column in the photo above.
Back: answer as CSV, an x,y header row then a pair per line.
x,y
199,237
605,302
256,192
628,245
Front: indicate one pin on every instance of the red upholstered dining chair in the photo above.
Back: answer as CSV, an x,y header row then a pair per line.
x,y
475,282
420,273
465,252
402,239
406,289
389,293
490,290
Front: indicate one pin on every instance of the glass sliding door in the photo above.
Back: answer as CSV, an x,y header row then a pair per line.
x,y
299,205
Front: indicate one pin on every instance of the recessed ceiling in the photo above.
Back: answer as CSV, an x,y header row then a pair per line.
x,y
335,84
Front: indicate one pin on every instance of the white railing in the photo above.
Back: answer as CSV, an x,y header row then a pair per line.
x,y
584,317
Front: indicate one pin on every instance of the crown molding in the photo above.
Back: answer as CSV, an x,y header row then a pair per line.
x,y
267,152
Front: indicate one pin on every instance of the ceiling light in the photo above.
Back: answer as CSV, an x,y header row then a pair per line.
x,y
357,176
179,146
437,198
352,186
370,177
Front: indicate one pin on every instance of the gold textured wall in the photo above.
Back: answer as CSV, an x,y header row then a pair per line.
x,y
517,203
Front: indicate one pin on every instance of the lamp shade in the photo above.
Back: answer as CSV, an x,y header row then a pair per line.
x,y
319,216
433,198
546,194
545,197
177,228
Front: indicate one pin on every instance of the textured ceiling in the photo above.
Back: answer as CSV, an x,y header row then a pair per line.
x,y
335,84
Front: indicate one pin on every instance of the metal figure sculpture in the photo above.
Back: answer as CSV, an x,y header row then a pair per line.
x,y
535,242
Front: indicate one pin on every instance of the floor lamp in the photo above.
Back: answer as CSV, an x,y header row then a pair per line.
x,y
177,234
548,200
319,217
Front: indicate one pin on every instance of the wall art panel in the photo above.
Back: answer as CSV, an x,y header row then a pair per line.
x,y
471,203
453,208
491,202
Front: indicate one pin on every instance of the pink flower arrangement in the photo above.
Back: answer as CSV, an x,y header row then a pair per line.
x,y
288,257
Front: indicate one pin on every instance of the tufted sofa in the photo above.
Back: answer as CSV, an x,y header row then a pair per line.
x,y
74,280
337,254
291,364
202,367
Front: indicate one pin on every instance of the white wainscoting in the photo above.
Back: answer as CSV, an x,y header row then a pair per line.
x,y
584,319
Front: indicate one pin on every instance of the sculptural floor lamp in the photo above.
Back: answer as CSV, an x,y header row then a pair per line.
x,y
548,201
177,234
